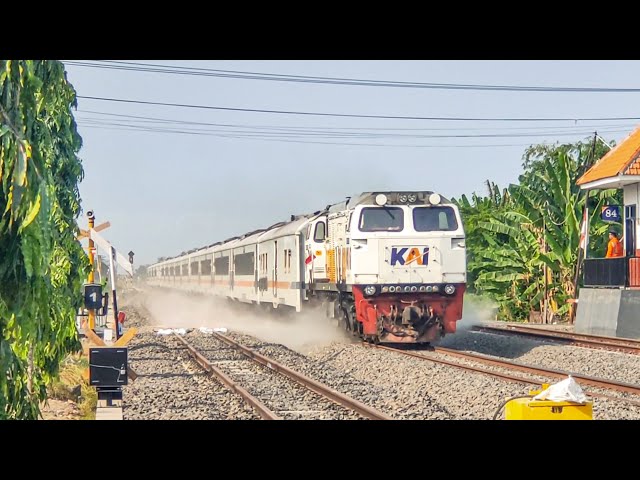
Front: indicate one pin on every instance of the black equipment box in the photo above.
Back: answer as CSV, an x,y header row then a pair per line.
x,y
108,366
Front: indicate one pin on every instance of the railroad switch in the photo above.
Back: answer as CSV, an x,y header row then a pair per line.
x,y
529,409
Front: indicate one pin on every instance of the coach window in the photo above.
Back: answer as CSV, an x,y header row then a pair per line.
x,y
194,268
377,219
320,232
205,267
430,219
221,265
244,263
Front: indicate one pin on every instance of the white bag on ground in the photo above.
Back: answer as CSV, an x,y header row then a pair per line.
x,y
169,331
565,391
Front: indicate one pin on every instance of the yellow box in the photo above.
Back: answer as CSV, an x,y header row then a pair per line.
x,y
529,409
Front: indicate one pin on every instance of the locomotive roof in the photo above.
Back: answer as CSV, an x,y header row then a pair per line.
x,y
369,198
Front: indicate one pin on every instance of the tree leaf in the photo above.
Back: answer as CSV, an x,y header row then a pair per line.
x,y
31,214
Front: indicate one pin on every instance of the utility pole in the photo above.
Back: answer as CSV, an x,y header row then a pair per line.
x,y
582,255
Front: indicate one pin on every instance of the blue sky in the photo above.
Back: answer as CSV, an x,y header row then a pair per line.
x,y
167,192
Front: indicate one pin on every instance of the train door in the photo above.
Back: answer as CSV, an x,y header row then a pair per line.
x,y
275,268
231,270
338,251
316,252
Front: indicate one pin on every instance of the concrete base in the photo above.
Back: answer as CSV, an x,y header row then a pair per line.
x,y
109,413
109,406
611,312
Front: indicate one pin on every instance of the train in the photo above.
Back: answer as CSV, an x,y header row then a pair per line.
x,y
389,267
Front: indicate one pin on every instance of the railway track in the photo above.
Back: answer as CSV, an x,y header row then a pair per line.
x,y
601,383
272,387
615,344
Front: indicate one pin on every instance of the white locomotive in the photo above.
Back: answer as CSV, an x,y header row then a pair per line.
x,y
390,266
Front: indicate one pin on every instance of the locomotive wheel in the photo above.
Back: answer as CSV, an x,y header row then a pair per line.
x,y
356,326
345,321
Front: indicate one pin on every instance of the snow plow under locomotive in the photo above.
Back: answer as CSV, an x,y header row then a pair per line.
x,y
390,266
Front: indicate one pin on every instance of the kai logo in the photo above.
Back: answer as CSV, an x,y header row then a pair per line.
x,y
409,256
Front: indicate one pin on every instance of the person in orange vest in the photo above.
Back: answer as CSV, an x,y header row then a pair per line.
x,y
614,248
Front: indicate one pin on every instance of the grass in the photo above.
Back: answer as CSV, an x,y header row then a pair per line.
x,y
72,385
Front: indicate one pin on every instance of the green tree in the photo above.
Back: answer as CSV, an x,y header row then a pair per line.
x,y
523,252
473,212
42,265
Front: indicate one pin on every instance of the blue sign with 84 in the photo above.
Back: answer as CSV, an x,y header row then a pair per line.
x,y
610,213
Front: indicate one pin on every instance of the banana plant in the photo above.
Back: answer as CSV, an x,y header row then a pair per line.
x,y
523,242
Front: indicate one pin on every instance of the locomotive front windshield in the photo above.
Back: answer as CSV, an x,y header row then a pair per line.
x,y
430,219
383,219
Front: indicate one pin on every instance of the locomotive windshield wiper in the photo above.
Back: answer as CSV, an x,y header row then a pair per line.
x,y
388,210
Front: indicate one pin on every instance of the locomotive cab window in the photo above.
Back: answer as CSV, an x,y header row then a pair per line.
x,y
320,232
430,219
379,219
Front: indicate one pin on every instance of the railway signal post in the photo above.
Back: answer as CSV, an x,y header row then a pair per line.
x,y
108,364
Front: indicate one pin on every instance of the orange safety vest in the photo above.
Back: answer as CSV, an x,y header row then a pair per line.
x,y
614,249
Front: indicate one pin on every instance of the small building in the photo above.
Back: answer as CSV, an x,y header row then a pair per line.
x,y
609,301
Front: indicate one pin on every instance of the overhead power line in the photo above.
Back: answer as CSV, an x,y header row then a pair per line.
x,y
320,143
339,134
244,75
144,118
280,137
348,115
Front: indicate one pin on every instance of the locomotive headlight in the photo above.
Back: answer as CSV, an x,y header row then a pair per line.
x,y
429,288
449,289
370,290
412,198
381,199
423,288
392,289
414,289
407,288
434,199
402,198
385,289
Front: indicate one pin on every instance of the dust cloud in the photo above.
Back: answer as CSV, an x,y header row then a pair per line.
x,y
476,310
301,332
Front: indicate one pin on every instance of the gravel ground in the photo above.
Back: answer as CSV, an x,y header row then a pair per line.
x,y
281,395
169,385
617,366
398,385
610,409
